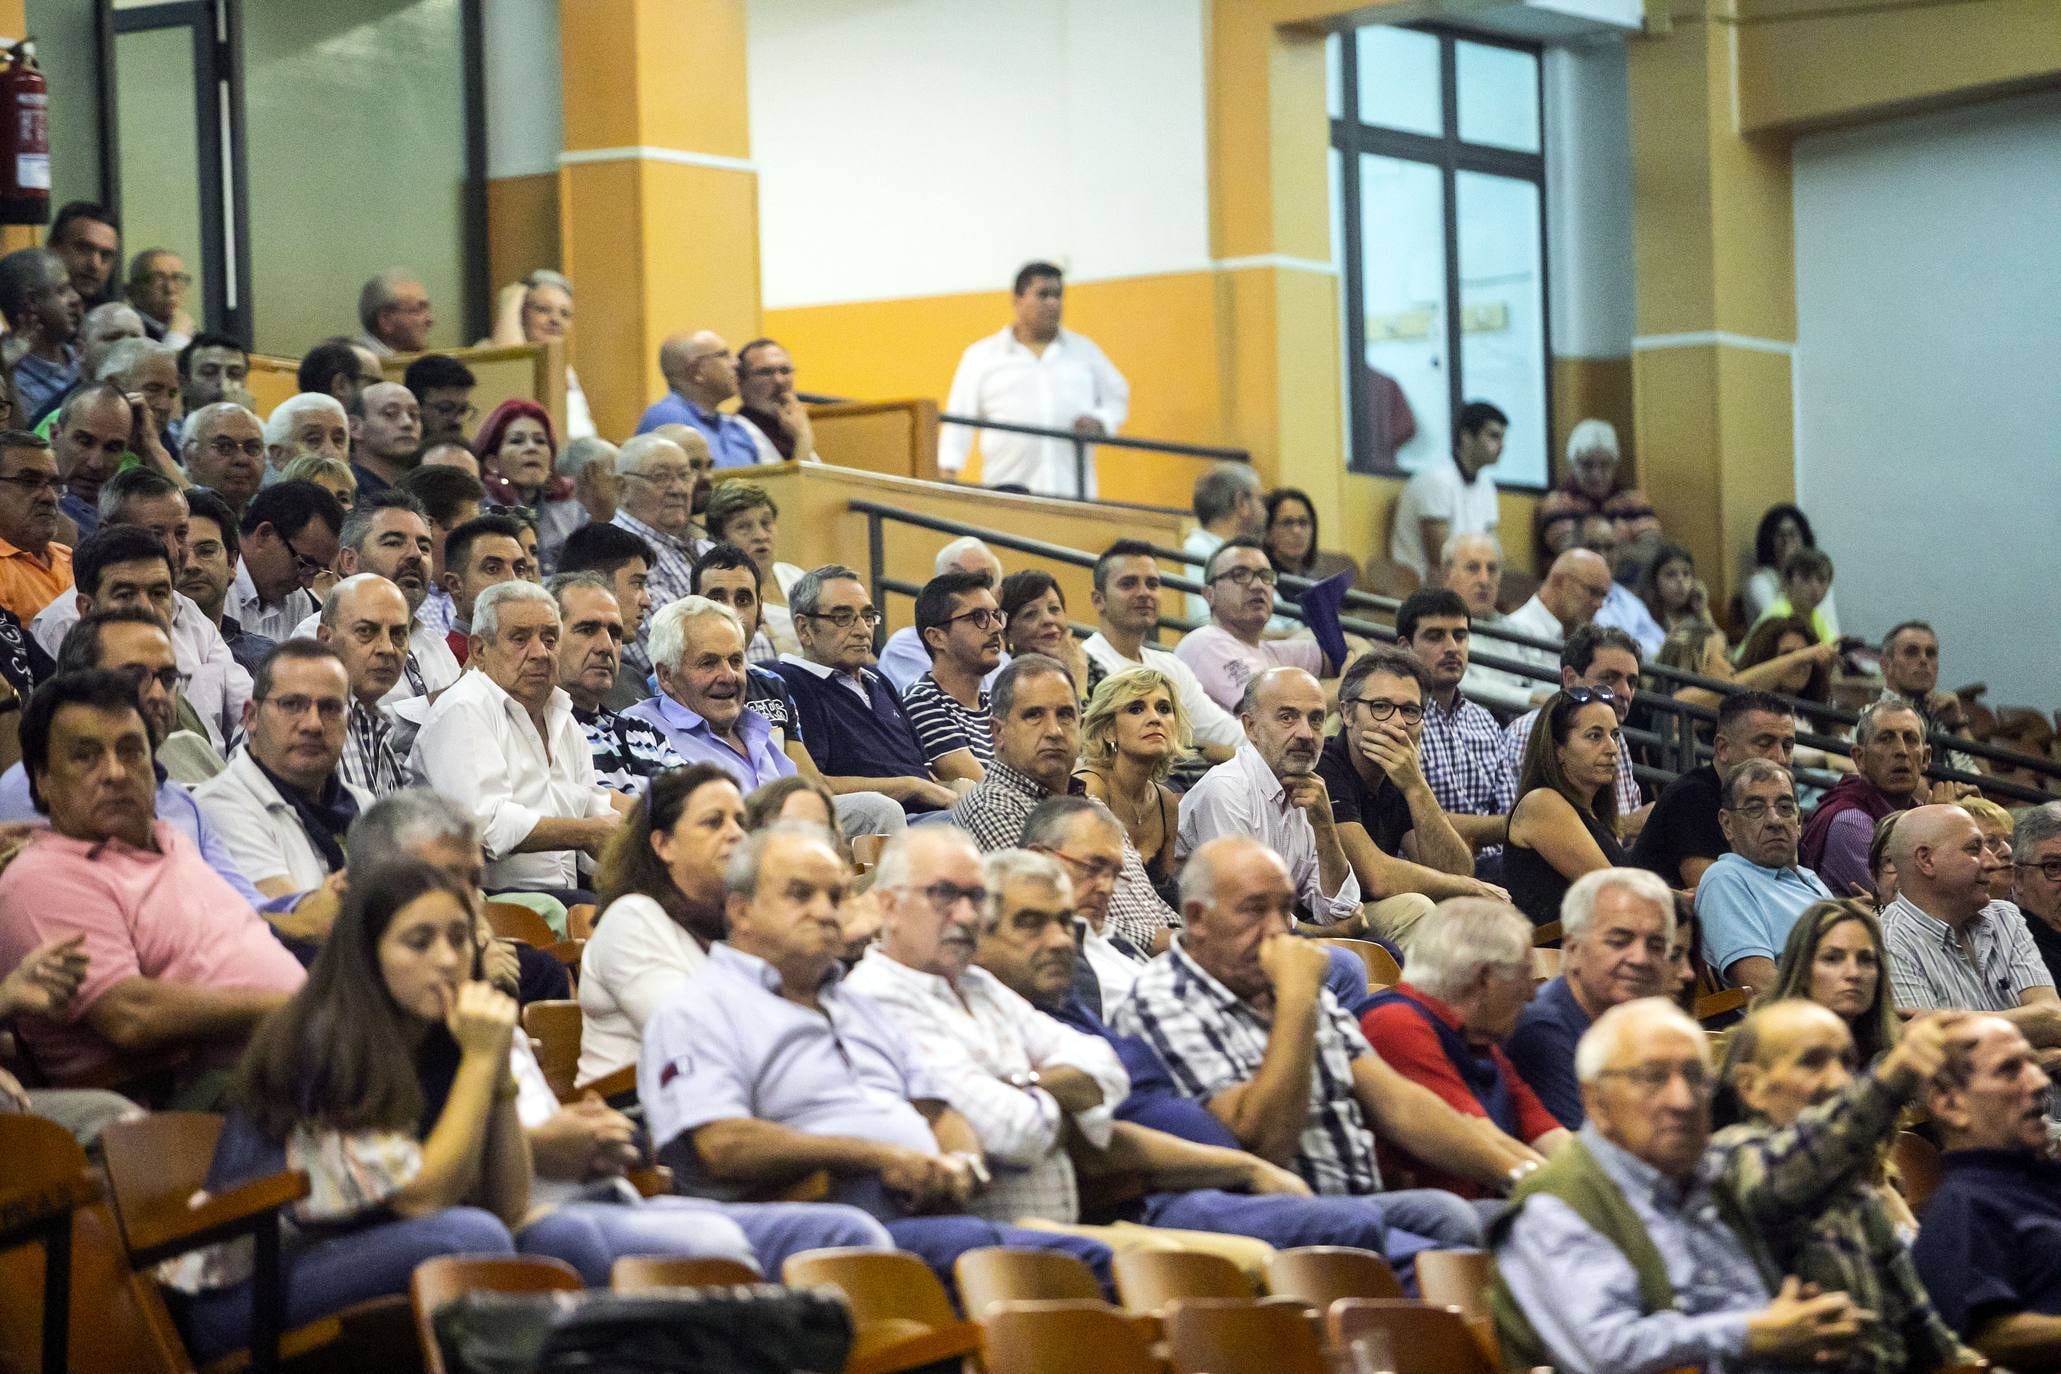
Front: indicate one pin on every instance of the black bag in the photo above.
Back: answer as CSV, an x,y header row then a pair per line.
x,y
762,1329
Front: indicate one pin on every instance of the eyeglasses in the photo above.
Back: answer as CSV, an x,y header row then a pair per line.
x,y
169,278
1092,869
1758,810
329,710
222,446
663,477
844,616
985,618
304,567
944,896
453,410
171,679
1381,709
34,483
1245,577
1653,1078
2050,869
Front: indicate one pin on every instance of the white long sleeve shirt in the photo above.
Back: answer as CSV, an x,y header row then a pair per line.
x,y
972,1040
1243,797
217,686
1001,378
634,960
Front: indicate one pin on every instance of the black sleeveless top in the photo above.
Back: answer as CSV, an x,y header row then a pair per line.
x,y
1536,887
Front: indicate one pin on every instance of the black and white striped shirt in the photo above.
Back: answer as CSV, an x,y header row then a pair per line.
x,y
943,723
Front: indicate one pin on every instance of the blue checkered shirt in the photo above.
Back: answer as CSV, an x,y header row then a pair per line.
x,y
1461,752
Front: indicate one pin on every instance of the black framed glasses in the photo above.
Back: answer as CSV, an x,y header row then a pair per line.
x,y
329,710
171,679
1382,709
31,484
304,567
844,617
222,446
943,896
452,410
1245,577
1757,810
2050,869
984,618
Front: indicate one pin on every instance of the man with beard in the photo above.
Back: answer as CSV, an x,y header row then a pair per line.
x,y
85,238
1270,789
388,534
627,752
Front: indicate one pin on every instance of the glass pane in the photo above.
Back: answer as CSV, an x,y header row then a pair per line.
x,y
1399,80
1499,96
1502,315
1405,398
160,146
1334,77
1335,166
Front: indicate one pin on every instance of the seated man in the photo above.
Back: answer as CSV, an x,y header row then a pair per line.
x,y
961,631
852,718
1986,1250
1461,745
288,539
1471,567
222,448
1087,840
1950,945
1022,1081
766,1068
1238,583
627,753
176,957
1403,849
1465,980
213,552
1037,729
483,552
1622,1256
1750,899
1683,837
1604,660
1271,790
1238,1012
503,743
1126,600
661,484
388,533
1889,775
697,648
450,497
623,561
904,657
367,621
1617,928
281,805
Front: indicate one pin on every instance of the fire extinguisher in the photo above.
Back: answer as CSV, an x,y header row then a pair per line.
x,y
24,138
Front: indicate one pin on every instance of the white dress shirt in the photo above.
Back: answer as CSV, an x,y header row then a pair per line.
x,y
1532,618
634,960
1493,686
1208,722
1115,971
479,748
260,827
972,1040
217,686
1243,797
275,621
1440,492
1001,378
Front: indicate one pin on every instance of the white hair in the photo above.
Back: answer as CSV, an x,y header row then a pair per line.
x,y
210,414
893,869
486,611
1593,434
1466,934
544,276
1578,907
948,557
638,448
1006,866
279,424
577,456
1451,548
126,353
669,627
1630,1021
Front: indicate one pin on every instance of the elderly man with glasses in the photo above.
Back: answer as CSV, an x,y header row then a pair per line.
x,y
1748,901
659,478
223,449
1224,654
2036,879
34,568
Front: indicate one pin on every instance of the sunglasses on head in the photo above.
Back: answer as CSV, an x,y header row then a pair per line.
x,y
1582,696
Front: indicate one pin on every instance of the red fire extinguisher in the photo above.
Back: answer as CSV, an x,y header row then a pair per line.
x,y
24,138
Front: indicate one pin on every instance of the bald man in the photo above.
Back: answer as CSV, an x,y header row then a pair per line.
x,y
701,374
1574,590
1949,944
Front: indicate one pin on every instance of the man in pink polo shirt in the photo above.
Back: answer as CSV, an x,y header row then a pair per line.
x,y
176,957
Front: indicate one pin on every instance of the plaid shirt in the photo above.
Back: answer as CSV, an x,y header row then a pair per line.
x,y
1812,1192
1928,966
994,813
1211,1040
368,758
1518,734
1462,754
672,578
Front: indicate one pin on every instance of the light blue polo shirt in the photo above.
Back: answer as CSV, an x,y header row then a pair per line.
x,y
1746,910
726,1045
694,741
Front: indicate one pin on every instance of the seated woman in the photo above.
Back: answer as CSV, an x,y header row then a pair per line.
x,y
1674,595
539,309
1995,824
742,513
792,798
1806,582
1132,734
1590,486
1836,957
1882,868
387,1079
661,880
1038,625
333,475
516,450
1565,821
1783,530
1291,539
1784,654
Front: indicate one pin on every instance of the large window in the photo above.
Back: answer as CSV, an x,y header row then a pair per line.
x,y
1438,194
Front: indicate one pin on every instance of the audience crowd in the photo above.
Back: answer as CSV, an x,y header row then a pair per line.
x,y
1301,939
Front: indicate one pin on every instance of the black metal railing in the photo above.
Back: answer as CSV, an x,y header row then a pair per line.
x,y
1678,742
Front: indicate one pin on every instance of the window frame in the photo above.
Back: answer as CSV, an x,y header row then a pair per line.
x,y
1451,155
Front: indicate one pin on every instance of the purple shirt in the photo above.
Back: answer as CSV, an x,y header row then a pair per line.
x,y
694,741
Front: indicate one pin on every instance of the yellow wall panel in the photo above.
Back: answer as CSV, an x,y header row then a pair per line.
x,y
599,42
522,226
701,253
690,76
598,204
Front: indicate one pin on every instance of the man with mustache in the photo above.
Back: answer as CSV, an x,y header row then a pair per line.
x,y
1239,583
388,534
1270,790
1889,754
961,630
1749,900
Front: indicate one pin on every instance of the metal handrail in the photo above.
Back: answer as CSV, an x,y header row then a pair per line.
x,y
1080,442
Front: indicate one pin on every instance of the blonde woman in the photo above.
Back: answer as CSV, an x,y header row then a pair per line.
x,y
333,475
1132,734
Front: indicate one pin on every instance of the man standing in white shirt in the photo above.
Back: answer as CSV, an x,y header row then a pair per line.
x,y
1452,494
1033,373
503,743
1127,604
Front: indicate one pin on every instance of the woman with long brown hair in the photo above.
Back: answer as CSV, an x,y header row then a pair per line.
x,y
1565,821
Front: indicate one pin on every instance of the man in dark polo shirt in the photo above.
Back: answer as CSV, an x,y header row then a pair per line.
x,y
1402,848
1682,838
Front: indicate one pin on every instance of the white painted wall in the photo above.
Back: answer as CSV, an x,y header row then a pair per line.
x,y
1928,301
924,147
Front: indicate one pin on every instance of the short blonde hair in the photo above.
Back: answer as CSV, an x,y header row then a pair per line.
x,y
1986,811
320,467
1118,690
